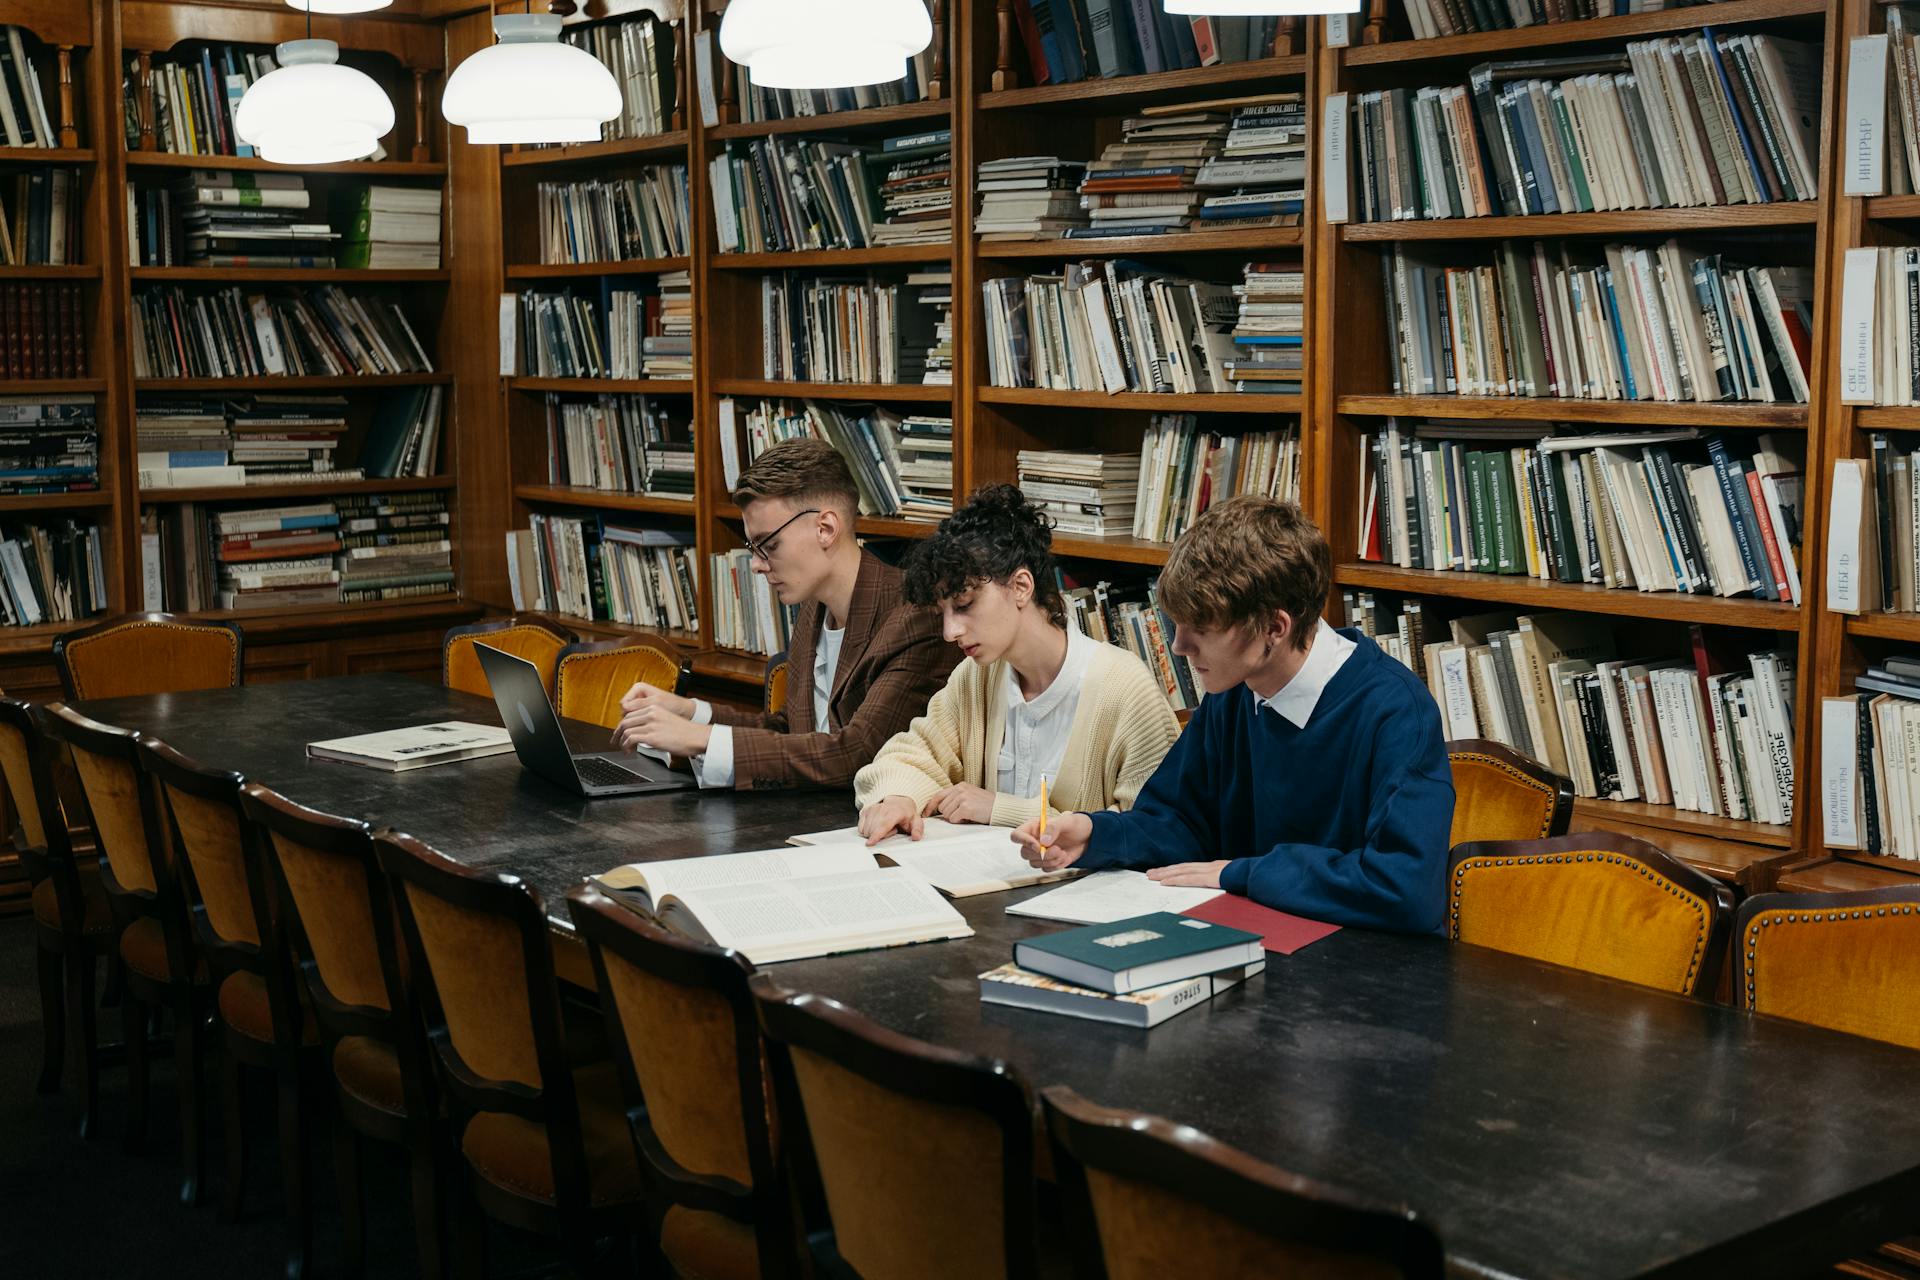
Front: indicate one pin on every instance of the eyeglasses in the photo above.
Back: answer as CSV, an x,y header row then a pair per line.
x,y
762,548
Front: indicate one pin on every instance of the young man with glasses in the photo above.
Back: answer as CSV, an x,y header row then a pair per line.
x,y
862,663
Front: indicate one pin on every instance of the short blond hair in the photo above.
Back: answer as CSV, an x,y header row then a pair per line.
x,y
1242,560
801,471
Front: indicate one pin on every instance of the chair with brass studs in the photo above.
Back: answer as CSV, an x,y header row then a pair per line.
x,y
1604,903
592,676
142,653
1499,794
532,638
776,683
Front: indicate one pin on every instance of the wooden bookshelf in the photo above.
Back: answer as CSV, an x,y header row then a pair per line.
x,y
642,386
834,259
576,496
1180,242
1717,219
663,146
287,275
1210,402
1483,45
312,489
901,117
254,164
568,270
1649,413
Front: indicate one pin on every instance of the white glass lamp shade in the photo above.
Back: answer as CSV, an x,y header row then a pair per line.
x,y
530,87
339,6
1261,8
824,44
312,110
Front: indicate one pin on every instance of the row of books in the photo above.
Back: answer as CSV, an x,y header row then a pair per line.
x,y
1690,120
220,218
746,614
43,330
1090,495
1615,322
902,466
1661,510
190,442
1873,549
394,546
231,333
1069,40
933,288
636,329
1430,19
1028,198
758,102
49,444
864,329
640,51
1237,163
1870,761
1186,466
52,571
586,568
40,217
1259,177
24,121
606,220
914,183
1130,616
780,195
620,443
196,90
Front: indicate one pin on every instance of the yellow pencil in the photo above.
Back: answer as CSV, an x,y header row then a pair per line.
x,y
1043,806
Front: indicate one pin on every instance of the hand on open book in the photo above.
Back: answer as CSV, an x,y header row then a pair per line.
x,y
962,802
1066,839
1189,875
887,815
646,695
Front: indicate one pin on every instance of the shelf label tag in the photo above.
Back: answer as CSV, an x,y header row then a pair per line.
x,y
703,72
1337,37
509,335
1857,284
1866,155
1333,158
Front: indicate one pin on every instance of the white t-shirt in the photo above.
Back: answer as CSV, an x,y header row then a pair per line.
x,y
715,768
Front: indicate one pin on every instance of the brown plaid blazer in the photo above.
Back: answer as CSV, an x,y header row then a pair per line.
x,y
892,660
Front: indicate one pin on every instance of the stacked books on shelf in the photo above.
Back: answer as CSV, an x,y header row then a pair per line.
x,y
934,290
669,352
916,188
758,102
1681,121
1709,732
1269,329
1111,325
394,546
387,228
1143,185
183,434
1873,552
196,90
40,212
1137,972
24,121
839,329
619,444
1086,494
289,439
1029,198
1259,179
43,330
232,333
1662,510
268,557
49,444
1869,764
1613,322
51,571
229,219
585,568
640,51
606,220
1130,616
781,195
1887,371
925,465
564,334
1186,467
746,613
875,443
1065,42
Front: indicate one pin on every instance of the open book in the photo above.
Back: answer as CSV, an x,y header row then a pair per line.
x,y
1107,896
960,859
783,904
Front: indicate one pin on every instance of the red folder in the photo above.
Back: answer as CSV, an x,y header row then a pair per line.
x,y
1278,931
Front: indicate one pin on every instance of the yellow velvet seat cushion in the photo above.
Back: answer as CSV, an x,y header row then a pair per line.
x,y
143,946
97,916
589,686
512,1152
1601,912
1493,800
709,1246
1851,969
370,1071
152,657
461,667
244,1007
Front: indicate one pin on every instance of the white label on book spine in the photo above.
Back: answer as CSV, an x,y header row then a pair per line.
x,y
1839,730
1337,37
1843,538
1333,158
703,72
1856,325
1866,156
509,335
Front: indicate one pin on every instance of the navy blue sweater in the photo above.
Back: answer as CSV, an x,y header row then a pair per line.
x,y
1346,820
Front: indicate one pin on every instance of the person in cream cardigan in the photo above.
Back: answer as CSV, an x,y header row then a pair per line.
x,y
1035,697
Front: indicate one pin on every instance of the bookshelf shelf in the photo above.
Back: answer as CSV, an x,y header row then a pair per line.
x,y
1589,31
301,275
1123,91
733,665
601,629
52,386
12,502
1883,626
325,618
46,155
563,270
671,145
882,255
1242,241
1893,208
1887,417
894,526
369,381
314,489
253,164
1763,417
20,642
575,496
1668,818
1717,220
82,271
862,391
1216,402
1532,593
1843,874
1119,550
865,120
646,386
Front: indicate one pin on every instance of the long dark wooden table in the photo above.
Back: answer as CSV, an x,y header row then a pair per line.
x,y
1550,1124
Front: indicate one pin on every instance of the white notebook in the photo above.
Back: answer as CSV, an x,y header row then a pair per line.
x,y
397,750
958,858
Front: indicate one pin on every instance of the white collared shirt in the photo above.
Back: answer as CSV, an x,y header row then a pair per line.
x,y
714,768
1035,739
1297,699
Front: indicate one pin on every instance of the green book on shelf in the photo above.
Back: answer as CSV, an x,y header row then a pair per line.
x,y
1144,951
1480,529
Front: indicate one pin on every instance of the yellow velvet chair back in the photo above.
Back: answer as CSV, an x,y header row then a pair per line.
x,y
591,678
534,639
1499,794
1604,903
16,763
1845,961
146,653
778,669
117,796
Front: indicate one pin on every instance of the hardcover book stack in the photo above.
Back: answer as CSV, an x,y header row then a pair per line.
x,y
24,121
1137,972
758,102
43,330
778,195
1085,494
640,52
916,188
183,441
585,568
606,220
746,614
229,333
275,557
229,219
832,329
1609,322
1143,185
394,546
925,469
1130,616
1654,511
1873,550
667,349
620,444
566,335
51,572
1870,761
1069,40
934,291
196,91
1269,329
1029,198
388,228
40,218
49,444
1259,179
289,439
1186,468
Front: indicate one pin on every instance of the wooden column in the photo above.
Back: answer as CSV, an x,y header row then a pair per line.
x,y
1285,37
69,132
421,153
1376,28
680,56
937,80
1003,73
148,110
723,72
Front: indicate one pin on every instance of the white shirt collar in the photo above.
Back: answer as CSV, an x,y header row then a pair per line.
x,y
1073,669
1296,701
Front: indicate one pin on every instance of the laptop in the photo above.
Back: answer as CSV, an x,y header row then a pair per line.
x,y
542,746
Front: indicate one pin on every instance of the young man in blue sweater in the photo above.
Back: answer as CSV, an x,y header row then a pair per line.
x,y
1316,763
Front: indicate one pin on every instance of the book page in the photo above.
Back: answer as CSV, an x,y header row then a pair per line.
x,y
988,862
1107,896
773,920
932,829
678,875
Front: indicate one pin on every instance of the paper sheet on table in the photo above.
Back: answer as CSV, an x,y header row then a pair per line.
x,y
960,859
935,829
1107,896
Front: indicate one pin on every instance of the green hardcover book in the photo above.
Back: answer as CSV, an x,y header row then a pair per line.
x,y
1480,506
1576,172
1507,557
1145,951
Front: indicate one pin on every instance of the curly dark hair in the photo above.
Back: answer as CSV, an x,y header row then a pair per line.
x,y
994,536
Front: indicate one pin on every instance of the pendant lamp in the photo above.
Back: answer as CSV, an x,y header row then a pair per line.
x,y
339,6
824,44
530,87
311,109
1260,8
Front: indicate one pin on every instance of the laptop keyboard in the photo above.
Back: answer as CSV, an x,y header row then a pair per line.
x,y
598,771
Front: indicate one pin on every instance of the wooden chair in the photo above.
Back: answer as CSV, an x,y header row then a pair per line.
x,y
1145,1199
912,1160
546,1145
141,653
153,938
591,677
1499,794
263,1022
535,639
715,1198
777,671
337,916
1605,903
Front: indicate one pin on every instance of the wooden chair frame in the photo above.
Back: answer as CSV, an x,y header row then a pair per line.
x,y
119,621
480,630
1616,848
608,926
1505,757
922,1071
